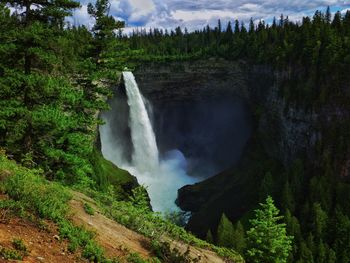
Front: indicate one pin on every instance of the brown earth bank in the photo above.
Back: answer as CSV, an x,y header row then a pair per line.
x,y
40,237
118,240
44,244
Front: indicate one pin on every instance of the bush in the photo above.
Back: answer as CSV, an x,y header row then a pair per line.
x,y
93,252
19,245
88,209
78,236
9,254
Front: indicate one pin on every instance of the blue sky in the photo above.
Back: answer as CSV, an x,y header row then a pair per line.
x,y
195,14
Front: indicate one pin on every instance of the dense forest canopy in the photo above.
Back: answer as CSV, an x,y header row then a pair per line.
x,y
54,79
314,52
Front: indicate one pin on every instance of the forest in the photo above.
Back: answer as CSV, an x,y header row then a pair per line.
x,y
55,78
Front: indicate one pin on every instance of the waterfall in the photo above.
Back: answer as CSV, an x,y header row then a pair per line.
x,y
162,175
145,155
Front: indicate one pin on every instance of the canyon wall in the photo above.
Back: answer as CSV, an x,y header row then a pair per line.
x,y
281,132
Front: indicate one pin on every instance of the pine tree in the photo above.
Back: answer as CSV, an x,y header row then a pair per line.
x,y
209,237
104,28
288,198
239,242
225,232
266,187
267,239
305,254
46,118
320,220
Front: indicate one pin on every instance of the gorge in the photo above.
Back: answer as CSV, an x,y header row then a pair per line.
x,y
257,135
197,138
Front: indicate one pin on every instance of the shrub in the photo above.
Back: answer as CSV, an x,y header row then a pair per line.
x,y
88,209
9,254
93,252
19,245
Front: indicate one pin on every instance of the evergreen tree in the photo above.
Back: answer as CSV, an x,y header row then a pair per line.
x,y
225,233
46,115
267,239
103,29
320,220
239,243
209,237
288,198
305,254
266,187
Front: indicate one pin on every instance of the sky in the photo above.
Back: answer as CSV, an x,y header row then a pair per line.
x,y
195,14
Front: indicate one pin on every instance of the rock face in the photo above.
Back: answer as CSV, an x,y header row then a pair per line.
x,y
282,132
192,80
291,130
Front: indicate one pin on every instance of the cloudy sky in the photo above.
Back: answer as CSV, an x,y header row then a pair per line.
x,y
198,13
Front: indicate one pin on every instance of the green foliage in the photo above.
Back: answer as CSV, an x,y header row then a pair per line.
x,y
176,217
20,250
139,199
88,209
10,254
209,237
239,242
312,53
106,46
19,245
107,175
48,97
48,200
164,252
93,252
267,238
225,232
78,236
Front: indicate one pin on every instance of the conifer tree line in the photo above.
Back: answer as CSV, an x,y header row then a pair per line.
x,y
266,241
315,52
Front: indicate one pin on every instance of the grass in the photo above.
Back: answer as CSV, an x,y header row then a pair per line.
x,y
88,209
107,174
31,192
19,245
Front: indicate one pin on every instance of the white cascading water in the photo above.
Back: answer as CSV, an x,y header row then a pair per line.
x,y
162,176
145,155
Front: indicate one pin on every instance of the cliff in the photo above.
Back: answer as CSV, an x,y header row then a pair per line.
x,y
282,131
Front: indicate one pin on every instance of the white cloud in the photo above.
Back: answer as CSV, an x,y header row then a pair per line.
x,y
195,14
81,17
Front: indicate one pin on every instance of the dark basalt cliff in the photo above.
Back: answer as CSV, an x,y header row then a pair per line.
x,y
192,80
281,132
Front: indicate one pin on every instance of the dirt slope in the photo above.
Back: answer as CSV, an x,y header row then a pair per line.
x,y
45,245
41,240
117,239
